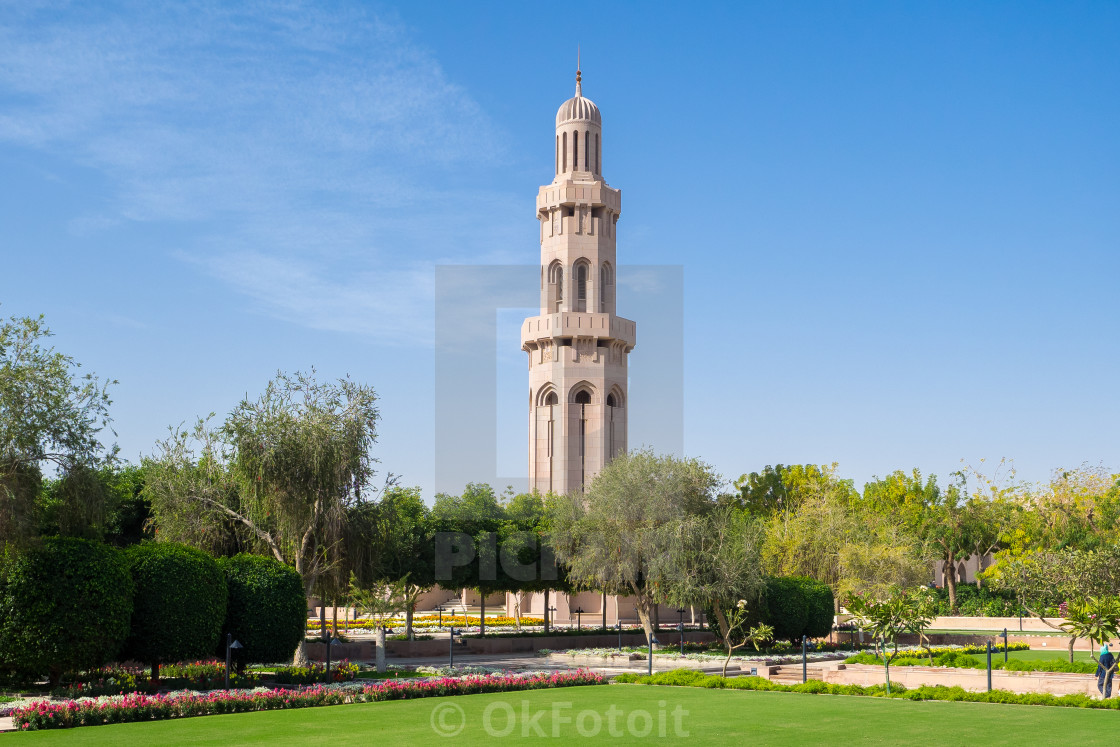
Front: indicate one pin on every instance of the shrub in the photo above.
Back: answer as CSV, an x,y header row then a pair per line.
x,y
64,606
178,606
343,671
795,606
265,611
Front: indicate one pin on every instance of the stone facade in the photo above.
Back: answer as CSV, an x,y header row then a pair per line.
x,y
577,347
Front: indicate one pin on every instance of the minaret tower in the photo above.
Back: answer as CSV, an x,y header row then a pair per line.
x,y
577,347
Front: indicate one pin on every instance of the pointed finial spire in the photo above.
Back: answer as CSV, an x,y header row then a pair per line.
x,y
579,88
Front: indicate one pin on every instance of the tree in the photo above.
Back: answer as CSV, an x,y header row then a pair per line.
x,y
890,616
179,604
49,415
713,563
285,473
381,601
1095,618
266,610
618,534
65,606
734,627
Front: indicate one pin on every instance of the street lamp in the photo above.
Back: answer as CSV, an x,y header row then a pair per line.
x,y
439,608
552,616
451,647
1004,635
330,642
230,645
579,617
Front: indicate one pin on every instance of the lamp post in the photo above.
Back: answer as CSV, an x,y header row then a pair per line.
x,y
230,645
579,618
989,665
439,608
804,660
681,626
620,634
451,647
552,617
330,642
1004,634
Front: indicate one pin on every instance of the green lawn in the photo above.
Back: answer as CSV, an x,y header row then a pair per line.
x,y
713,717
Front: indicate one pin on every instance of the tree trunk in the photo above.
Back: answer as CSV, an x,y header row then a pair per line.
x,y
322,619
724,632
1072,642
380,655
517,610
642,607
655,618
334,620
951,580
155,672
482,615
408,613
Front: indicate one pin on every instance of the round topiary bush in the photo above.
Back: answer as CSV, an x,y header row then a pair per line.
x,y
821,608
178,606
787,609
65,606
267,610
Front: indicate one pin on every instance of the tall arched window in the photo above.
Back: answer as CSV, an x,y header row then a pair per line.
x,y
564,152
557,154
587,150
581,286
555,287
575,150
551,399
598,165
583,397
606,286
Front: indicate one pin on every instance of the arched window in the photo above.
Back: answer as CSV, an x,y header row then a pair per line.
x,y
564,152
581,286
586,150
606,286
610,400
583,397
555,287
551,399
598,165
575,150
558,154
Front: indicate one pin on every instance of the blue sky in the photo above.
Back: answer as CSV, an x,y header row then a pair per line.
x,y
898,223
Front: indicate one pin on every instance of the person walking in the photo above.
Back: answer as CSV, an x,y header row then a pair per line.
x,y
1104,671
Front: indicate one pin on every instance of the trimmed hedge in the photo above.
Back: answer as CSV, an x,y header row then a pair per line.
x,y
693,678
179,603
265,610
797,606
65,605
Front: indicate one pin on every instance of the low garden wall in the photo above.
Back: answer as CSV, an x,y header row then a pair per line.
x,y
496,644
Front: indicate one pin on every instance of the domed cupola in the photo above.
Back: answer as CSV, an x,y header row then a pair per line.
x,y
579,132
578,109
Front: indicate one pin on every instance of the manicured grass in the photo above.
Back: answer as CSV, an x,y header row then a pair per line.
x,y
1043,654
714,717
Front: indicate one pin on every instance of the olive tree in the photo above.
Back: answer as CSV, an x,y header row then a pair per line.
x,y
285,472
621,534
50,415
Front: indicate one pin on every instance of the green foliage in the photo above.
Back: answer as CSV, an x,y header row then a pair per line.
x,y
266,609
65,605
49,415
797,606
179,603
342,671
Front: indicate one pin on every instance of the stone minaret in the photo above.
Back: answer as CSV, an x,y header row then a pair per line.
x,y
577,347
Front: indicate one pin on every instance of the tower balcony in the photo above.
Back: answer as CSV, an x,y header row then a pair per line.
x,y
571,192
599,325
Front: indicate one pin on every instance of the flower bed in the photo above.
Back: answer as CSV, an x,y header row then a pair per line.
x,y
197,675
139,707
431,621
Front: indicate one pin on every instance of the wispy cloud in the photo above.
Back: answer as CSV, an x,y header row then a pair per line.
x,y
301,148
